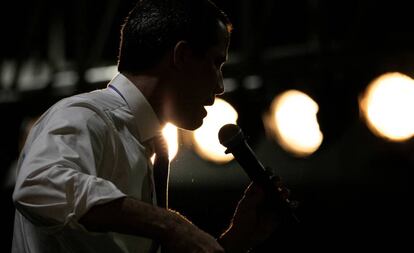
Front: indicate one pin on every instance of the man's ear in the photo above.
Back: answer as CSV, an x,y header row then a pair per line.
x,y
182,54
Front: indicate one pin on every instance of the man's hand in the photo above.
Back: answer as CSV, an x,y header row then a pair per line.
x,y
253,222
186,237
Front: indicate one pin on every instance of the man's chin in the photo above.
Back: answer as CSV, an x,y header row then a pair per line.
x,y
190,119
190,124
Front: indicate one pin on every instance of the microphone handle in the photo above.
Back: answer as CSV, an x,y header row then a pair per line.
x,y
251,165
263,177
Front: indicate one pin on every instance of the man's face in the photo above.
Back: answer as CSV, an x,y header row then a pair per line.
x,y
199,85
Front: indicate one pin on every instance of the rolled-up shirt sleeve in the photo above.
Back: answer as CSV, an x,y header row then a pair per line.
x,y
59,168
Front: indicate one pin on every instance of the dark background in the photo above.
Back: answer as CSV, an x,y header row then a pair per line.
x,y
354,191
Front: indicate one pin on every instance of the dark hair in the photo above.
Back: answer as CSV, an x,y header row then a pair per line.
x,y
154,26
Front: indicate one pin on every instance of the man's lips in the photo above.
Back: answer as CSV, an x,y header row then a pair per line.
x,y
209,102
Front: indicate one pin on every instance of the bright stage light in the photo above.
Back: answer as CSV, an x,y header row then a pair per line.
x,y
205,138
293,123
388,105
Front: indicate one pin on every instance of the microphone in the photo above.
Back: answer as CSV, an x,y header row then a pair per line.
x,y
232,137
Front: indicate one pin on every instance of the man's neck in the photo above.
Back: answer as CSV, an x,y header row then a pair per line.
x,y
150,86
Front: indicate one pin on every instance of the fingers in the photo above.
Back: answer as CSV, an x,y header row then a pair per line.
x,y
284,192
253,189
254,194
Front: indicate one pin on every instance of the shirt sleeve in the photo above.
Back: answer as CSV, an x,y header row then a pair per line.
x,y
58,170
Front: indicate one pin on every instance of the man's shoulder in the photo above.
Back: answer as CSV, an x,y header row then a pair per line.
x,y
100,100
84,107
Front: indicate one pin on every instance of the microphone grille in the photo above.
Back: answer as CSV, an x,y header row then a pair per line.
x,y
227,133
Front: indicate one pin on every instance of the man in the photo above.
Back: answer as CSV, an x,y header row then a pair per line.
x,y
85,181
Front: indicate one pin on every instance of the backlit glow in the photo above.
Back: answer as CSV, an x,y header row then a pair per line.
x,y
170,134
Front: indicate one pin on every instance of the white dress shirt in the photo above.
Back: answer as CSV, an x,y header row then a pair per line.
x,y
85,150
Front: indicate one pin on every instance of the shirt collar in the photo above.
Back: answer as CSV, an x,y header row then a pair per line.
x,y
146,120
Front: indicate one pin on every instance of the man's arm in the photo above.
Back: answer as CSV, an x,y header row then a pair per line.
x,y
131,216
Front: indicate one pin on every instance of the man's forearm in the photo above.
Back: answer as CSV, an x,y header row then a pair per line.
x,y
131,216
